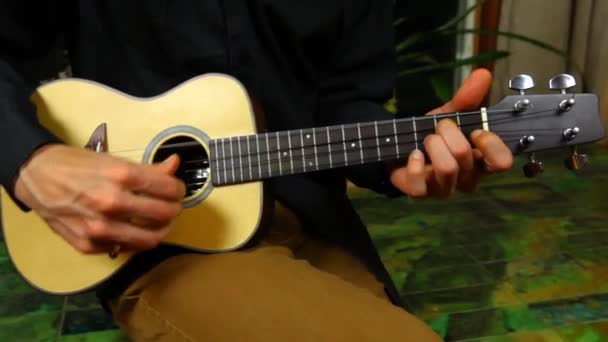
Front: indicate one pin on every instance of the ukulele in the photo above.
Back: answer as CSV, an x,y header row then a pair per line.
x,y
210,122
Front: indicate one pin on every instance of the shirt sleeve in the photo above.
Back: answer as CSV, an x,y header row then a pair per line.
x,y
28,33
359,78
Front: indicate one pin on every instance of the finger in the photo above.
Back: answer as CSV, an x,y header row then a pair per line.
x,y
445,167
460,148
169,165
77,241
495,154
411,179
128,236
114,203
150,180
470,95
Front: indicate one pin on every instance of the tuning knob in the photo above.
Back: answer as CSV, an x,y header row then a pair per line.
x,y
576,161
521,83
562,82
533,167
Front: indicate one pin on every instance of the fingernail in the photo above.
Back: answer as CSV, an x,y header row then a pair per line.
x,y
417,155
476,133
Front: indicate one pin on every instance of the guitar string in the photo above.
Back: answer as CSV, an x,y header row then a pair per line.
x,y
272,173
334,151
372,137
366,124
356,160
322,166
273,161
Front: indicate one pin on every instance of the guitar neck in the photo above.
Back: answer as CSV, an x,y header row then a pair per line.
x,y
261,156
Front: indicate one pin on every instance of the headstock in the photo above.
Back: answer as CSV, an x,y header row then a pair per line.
x,y
531,123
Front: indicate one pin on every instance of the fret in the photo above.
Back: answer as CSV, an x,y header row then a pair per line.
x,y
290,151
396,139
377,140
458,119
314,141
303,152
344,143
224,160
231,159
360,142
216,162
435,121
256,156
415,132
240,157
279,155
268,155
249,157
331,164
387,140
368,142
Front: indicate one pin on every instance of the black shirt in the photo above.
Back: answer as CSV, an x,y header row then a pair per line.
x,y
309,63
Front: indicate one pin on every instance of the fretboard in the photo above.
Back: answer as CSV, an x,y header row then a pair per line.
x,y
254,157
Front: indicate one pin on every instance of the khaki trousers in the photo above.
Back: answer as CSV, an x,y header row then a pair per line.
x,y
288,288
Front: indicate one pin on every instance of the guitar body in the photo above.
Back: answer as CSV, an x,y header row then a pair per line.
x,y
214,219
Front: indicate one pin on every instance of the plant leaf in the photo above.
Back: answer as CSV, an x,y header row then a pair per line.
x,y
442,88
460,17
416,58
409,41
477,59
517,36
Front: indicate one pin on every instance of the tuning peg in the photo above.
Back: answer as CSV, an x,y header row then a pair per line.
x,y
576,161
533,167
521,83
562,82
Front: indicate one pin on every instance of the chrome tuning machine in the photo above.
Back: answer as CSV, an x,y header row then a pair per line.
x,y
563,82
576,161
533,167
521,83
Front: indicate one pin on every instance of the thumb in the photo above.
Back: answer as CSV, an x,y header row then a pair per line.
x,y
169,165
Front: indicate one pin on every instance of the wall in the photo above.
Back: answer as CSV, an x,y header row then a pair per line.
x,y
575,26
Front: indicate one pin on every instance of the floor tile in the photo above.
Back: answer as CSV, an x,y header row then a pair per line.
x,y
589,332
18,298
98,336
445,278
567,311
36,326
83,321
430,304
84,301
548,335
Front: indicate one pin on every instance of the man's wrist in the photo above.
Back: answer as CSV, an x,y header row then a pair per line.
x,y
18,187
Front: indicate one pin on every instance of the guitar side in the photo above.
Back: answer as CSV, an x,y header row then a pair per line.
x,y
225,220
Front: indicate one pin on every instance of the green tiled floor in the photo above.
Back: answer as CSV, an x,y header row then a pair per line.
x,y
520,260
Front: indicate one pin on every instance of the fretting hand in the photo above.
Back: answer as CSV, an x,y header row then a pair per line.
x,y
454,163
96,201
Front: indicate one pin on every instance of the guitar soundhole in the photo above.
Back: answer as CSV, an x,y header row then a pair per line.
x,y
194,166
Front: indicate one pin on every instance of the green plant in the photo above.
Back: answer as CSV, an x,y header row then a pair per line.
x,y
414,59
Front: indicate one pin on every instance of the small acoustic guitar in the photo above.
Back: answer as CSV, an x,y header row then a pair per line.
x,y
210,123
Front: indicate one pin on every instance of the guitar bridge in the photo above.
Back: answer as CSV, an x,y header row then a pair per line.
x,y
98,141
